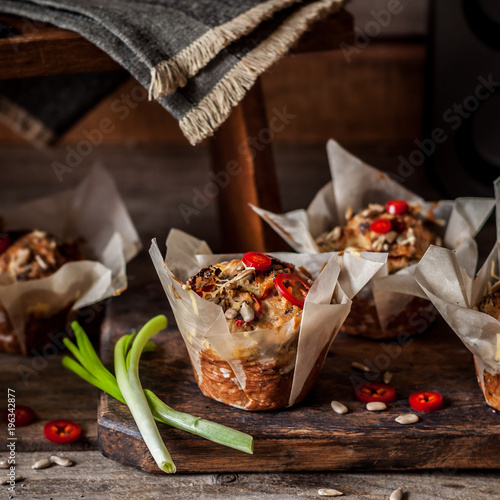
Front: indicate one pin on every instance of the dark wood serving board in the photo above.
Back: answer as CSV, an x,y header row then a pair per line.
x,y
310,436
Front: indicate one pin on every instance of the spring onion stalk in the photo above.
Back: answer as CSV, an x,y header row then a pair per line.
x,y
131,389
89,367
199,426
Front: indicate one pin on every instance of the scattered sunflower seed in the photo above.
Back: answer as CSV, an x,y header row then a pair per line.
x,y
339,407
7,480
387,377
231,313
397,494
4,464
360,366
42,464
376,406
247,313
326,492
65,462
407,418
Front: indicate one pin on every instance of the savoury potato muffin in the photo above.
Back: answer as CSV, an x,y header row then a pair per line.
x,y
404,232
490,383
257,292
398,228
26,256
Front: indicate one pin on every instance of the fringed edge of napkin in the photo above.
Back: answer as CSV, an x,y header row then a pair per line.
x,y
212,111
168,75
24,124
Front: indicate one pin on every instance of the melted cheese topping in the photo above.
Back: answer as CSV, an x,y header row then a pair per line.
x,y
406,243
245,293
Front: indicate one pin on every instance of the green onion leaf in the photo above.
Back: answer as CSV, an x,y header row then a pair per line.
x,y
130,387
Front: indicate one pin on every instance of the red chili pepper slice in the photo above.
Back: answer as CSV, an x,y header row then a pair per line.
x,y
381,226
396,207
375,392
258,306
289,283
62,431
260,261
426,401
4,242
21,416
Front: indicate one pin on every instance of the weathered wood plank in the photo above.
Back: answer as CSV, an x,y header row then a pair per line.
x,y
95,477
43,384
42,49
310,436
241,153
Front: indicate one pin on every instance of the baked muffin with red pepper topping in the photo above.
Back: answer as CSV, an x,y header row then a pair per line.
x,y
490,383
257,292
404,232
26,256
34,255
398,228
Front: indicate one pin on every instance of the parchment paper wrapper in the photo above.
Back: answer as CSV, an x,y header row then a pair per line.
x,y
394,303
261,369
455,294
93,212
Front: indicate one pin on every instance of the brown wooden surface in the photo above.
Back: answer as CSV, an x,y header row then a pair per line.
x,y
377,97
97,478
42,49
236,147
310,437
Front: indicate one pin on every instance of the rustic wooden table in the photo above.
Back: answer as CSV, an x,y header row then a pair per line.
x,y
41,383
55,393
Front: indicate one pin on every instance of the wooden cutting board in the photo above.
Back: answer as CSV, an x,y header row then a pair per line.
x,y
310,436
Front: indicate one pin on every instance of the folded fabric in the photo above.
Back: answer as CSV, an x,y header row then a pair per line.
x,y
198,57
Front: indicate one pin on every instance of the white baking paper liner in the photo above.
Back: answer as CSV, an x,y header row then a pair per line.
x,y
356,184
94,213
337,277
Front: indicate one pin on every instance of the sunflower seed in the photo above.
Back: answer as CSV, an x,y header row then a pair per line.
x,y
231,313
8,480
4,464
336,233
397,494
65,462
247,313
42,464
339,407
376,406
387,377
407,418
327,492
360,366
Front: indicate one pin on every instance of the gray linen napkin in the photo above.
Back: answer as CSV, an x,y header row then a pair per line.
x,y
198,57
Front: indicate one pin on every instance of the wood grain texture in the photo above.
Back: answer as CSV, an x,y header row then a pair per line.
x,y
311,437
96,478
377,97
241,152
42,49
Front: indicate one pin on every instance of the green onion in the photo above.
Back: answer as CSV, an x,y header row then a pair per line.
x,y
131,389
89,367
199,426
